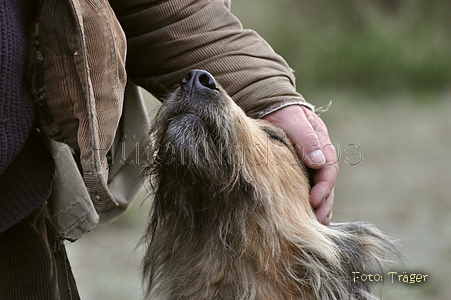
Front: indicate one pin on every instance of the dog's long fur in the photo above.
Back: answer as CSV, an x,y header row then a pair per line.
x,y
231,217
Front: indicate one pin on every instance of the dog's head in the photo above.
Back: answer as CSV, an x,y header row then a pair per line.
x,y
232,206
200,128
201,120
203,142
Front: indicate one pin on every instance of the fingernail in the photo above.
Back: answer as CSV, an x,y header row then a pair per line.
x,y
317,157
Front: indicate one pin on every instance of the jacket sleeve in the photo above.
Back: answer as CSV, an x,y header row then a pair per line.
x,y
167,38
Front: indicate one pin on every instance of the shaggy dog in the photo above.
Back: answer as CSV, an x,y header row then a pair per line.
x,y
231,217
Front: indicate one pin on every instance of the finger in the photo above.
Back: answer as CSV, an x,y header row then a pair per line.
x,y
324,211
294,120
323,179
328,220
313,139
322,134
308,144
323,184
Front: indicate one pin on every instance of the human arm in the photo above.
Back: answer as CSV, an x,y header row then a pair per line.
x,y
166,39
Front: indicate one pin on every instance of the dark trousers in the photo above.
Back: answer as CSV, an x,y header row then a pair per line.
x,y
33,263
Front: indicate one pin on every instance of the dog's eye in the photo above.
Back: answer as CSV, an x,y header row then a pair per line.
x,y
273,135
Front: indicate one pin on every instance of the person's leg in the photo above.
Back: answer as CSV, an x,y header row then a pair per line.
x,y
29,263
66,281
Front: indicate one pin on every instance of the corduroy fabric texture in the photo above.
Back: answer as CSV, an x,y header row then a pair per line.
x,y
83,49
33,263
27,265
166,39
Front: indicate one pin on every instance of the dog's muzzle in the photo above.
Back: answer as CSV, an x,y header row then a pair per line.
x,y
198,80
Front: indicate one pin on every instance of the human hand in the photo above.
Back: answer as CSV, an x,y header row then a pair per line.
x,y
309,134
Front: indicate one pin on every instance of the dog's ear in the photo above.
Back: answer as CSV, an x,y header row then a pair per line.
x,y
364,249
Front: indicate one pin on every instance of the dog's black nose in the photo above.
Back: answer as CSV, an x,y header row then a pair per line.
x,y
199,79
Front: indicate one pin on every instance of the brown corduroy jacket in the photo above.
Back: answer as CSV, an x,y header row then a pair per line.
x,y
84,45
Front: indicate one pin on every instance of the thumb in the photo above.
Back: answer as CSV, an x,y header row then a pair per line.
x,y
309,148
308,144
302,126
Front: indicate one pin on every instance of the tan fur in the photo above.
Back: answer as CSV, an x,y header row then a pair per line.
x,y
234,221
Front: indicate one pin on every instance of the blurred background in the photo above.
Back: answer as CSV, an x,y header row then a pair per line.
x,y
386,67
